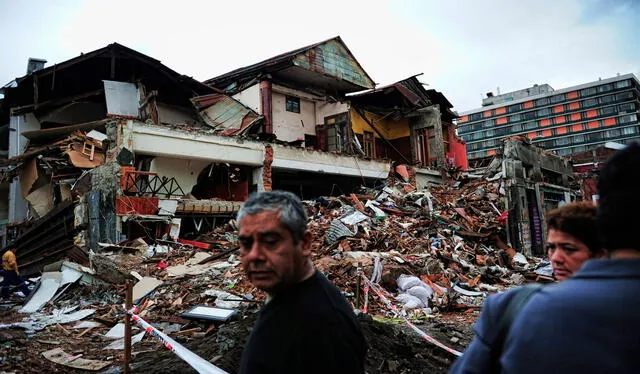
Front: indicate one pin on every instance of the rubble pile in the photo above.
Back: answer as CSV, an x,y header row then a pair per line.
x,y
433,251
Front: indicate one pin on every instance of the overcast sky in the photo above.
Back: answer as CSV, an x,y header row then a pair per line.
x,y
465,48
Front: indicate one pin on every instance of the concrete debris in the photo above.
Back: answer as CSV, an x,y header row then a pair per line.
x,y
60,357
119,344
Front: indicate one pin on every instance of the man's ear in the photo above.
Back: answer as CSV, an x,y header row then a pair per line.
x,y
306,240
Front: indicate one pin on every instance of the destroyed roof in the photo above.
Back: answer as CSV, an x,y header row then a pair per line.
x,y
347,75
61,83
226,114
409,92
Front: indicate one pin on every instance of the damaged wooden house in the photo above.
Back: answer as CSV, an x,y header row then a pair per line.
x,y
113,145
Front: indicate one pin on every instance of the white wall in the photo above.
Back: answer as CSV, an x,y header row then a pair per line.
x,y
17,144
289,126
250,97
184,171
325,109
175,115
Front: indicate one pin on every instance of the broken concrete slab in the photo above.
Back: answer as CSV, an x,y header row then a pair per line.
x,y
60,357
144,287
119,344
87,325
209,313
49,284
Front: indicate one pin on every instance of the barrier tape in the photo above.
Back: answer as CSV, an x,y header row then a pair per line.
x,y
389,304
201,365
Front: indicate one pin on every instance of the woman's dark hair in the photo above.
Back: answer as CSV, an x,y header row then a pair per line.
x,y
578,220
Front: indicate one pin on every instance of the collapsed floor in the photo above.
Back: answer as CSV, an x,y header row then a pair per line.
x,y
437,253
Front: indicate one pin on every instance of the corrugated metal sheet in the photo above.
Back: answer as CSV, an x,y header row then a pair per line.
x,y
225,114
331,57
334,59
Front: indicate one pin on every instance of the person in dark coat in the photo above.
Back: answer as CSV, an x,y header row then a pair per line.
x,y
587,323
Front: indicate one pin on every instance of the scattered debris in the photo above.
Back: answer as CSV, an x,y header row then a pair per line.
x,y
59,356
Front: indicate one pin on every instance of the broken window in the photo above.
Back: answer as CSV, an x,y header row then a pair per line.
x,y
368,144
336,131
425,143
310,141
292,104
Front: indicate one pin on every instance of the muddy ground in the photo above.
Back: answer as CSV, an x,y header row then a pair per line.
x,y
393,348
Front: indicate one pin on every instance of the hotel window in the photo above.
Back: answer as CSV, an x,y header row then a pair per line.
x,y
543,101
578,149
624,96
589,103
606,99
515,118
530,125
628,107
292,104
630,130
577,139
475,116
528,115
627,118
607,110
489,133
612,133
588,91
561,141
514,108
563,152
544,112
516,127
595,136
605,88
623,84
488,123
556,98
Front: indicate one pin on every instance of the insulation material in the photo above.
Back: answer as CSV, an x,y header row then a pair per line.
x,y
49,284
60,357
41,200
174,233
28,176
167,207
119,344
145,286
122,98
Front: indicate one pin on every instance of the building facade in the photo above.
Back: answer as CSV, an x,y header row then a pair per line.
x,y
566,121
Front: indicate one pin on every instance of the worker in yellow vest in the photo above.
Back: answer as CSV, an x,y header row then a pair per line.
x,y
11,275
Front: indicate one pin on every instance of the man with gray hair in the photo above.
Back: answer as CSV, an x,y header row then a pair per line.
x,y
306,326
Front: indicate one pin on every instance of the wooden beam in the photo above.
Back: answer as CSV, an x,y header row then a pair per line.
x,y
35,90
113,64
32,107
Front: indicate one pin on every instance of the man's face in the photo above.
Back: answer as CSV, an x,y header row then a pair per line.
x,y
270,257
566,253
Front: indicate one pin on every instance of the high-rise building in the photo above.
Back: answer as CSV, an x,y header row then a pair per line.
x,y
573,119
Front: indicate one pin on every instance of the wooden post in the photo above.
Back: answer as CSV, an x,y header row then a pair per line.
x,y
359,279
127,328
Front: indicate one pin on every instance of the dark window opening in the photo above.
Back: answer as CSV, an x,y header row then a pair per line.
x,y
368,144
292,104
309,141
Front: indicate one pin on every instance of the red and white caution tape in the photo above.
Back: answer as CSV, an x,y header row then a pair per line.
x,y
377,289
201,365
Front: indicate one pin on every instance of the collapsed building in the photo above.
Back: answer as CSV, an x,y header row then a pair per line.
x,y
534,182
113,145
